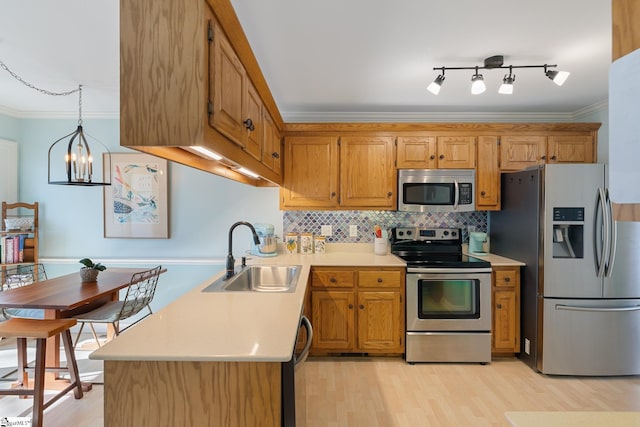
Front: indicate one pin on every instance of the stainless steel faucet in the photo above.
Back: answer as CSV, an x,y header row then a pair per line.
x,y
230,260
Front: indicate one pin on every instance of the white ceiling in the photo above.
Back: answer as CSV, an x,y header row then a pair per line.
x,y
334,59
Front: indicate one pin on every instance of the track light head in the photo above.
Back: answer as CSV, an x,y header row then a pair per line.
x,y
477,84
558,77
435,85
506,88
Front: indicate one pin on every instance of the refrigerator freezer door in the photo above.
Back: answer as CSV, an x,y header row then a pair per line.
x,y
623,277
590,337
570,187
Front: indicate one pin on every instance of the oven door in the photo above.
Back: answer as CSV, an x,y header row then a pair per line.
x,y
457,300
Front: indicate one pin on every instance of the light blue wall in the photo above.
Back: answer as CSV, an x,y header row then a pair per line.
x,y
9,128
202,208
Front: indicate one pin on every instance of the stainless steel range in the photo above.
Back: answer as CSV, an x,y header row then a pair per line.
x,y
448,297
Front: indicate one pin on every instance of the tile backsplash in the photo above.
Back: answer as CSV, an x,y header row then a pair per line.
x,y
311,222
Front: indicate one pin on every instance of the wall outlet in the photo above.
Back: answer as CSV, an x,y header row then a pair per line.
x,y
353,231
471,228
527,346
326,230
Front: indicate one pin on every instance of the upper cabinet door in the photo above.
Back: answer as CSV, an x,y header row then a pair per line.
x,y
487,174
367,172
520,152
416,152
571,149
311,172
271,144
456,152
252,123
228,89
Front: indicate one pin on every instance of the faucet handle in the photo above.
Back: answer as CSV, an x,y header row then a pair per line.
x,y
244,261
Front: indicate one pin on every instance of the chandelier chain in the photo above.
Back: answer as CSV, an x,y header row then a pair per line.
x,y
46,92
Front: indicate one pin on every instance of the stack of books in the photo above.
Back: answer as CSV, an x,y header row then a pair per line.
x,y
12,249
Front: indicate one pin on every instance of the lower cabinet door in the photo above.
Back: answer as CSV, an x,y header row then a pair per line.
x,y
333,319
379,321
504,321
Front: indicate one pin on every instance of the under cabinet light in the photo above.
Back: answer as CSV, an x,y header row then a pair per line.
x,y
206,152
248,172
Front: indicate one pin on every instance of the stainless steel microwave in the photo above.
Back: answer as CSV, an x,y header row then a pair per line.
x,y
436,190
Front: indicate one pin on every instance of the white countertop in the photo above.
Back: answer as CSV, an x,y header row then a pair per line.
x,y
238,326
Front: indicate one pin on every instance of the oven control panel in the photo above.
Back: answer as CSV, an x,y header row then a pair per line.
x,y
410,233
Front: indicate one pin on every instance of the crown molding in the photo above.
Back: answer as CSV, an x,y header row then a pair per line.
x,y
594,108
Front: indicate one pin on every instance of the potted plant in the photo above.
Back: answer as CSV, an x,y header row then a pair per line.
x,y
89,273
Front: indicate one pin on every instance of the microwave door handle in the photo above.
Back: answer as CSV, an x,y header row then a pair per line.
x,y
456,195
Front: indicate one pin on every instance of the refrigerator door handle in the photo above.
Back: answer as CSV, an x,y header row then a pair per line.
x,y
602,234
601,309
613,233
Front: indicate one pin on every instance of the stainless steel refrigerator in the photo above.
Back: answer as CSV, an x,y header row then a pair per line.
x,y
580,290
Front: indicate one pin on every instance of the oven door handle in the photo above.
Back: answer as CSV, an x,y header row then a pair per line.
x,y
299,359
457,194
422,270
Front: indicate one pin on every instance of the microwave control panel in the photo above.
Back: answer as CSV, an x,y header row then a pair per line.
x,y
466,195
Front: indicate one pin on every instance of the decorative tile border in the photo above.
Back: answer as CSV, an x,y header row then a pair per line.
x,y
311,222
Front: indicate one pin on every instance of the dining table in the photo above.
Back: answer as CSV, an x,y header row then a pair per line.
x,y
66,296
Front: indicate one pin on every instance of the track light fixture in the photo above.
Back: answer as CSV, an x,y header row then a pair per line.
x,y
497,61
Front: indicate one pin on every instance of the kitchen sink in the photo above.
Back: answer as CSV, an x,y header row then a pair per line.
x,y
259,278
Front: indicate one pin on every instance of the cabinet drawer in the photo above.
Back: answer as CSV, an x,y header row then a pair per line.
x,y
333,278
506,278
379,279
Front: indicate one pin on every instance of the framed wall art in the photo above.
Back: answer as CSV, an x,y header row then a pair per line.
x,y
136,202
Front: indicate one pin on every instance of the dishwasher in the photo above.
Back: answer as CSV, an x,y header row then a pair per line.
x,y
294,405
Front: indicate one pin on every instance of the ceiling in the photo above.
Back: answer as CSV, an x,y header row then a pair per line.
x,y
334,59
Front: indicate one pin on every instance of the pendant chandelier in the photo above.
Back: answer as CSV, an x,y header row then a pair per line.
x,y
79,166
78,158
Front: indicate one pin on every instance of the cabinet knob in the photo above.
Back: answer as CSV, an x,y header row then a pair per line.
x,y
389,194
249,124
482,193
543,157
432,157
333,194
275,155
350,306
507,279
379,279
553,157
441,157
361,307
333,280
498,306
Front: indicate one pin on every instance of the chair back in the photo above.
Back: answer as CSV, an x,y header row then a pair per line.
x,y
16,276
140,292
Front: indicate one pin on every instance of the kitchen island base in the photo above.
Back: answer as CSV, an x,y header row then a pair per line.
x,y
190,393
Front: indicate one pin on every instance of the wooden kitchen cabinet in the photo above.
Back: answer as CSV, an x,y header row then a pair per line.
x,y
487,174
431,152
271,144
237,108
357,310
367,172
505,333
520,152
327,172
416,152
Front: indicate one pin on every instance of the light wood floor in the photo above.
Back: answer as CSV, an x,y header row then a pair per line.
x,y
389,392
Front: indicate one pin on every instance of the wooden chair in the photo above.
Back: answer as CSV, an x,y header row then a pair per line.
x,y
41,330
140,292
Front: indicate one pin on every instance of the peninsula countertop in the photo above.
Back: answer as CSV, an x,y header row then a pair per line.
x,y
239,326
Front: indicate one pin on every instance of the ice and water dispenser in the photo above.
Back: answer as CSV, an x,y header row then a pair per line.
x,y
568,232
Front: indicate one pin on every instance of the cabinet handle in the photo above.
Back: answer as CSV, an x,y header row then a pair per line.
x,y
361,307
389,194
433,156
507,279
553,157
441,157
379,279
249,124
275,155
333,280
543,157
498,306
350,306
482,193
333,194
